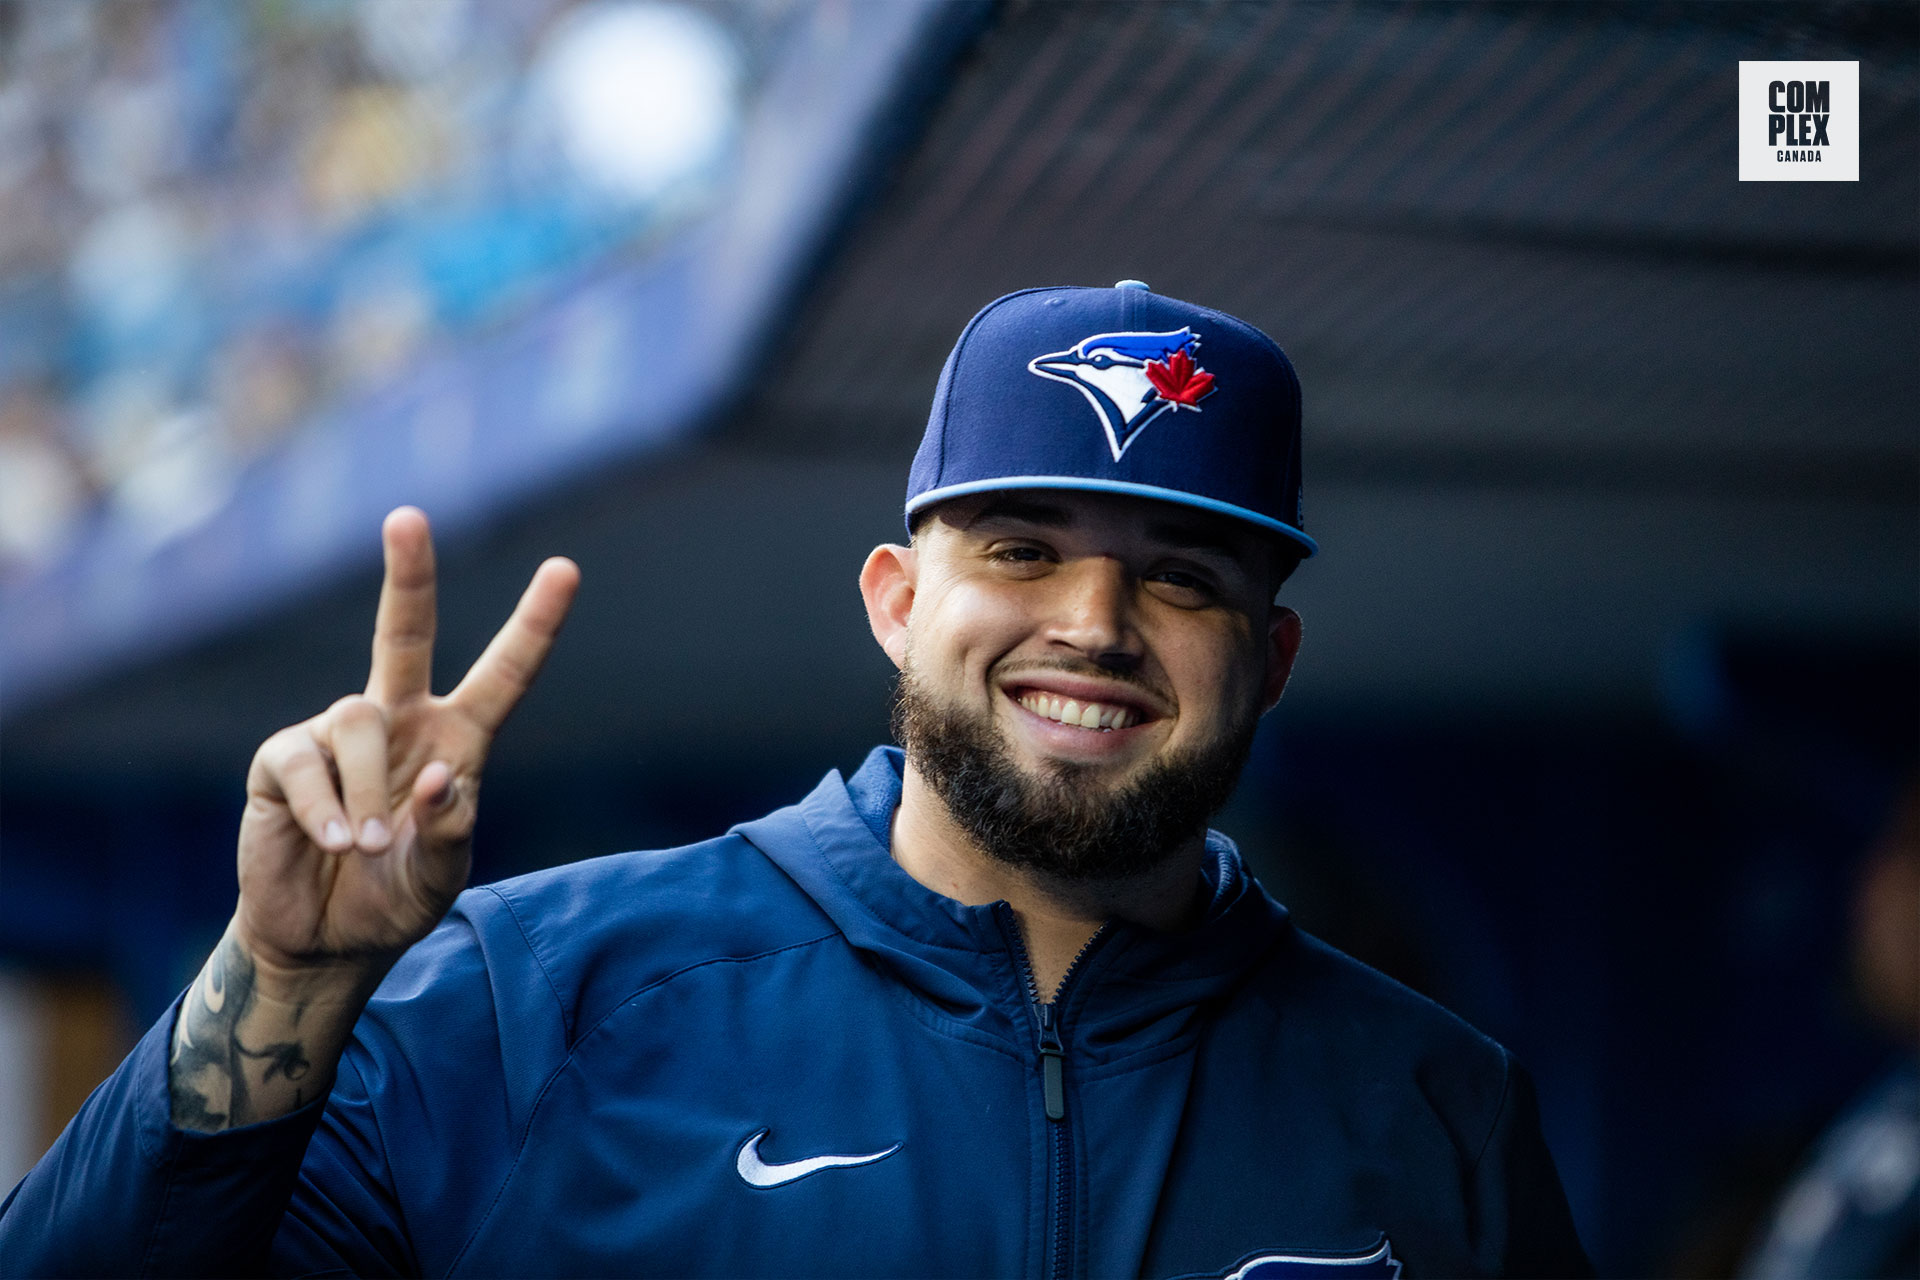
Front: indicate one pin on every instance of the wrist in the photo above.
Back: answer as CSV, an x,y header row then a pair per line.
x,y
252,1043
306,980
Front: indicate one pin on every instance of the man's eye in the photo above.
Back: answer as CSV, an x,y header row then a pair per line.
x,y
1187,584
1019,555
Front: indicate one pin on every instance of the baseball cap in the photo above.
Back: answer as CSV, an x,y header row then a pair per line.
x,y
1122,391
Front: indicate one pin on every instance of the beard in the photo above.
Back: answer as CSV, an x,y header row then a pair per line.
x,y
1063,821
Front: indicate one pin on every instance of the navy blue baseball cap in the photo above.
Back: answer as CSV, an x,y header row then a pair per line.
x,y
1122,391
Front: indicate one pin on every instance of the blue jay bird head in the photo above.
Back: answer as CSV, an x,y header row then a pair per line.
x,y
1110,370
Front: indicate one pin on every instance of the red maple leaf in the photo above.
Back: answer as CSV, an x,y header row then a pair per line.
x,y
1178,381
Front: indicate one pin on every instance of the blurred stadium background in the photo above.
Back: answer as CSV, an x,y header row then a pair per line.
x,y
1611,664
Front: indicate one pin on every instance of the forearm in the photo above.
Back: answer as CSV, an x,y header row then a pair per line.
x,y
124,1192
251,1046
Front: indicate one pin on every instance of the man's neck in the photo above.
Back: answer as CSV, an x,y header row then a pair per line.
x,y
1057,918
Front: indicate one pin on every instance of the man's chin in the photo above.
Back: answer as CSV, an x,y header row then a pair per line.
x,y
1083,780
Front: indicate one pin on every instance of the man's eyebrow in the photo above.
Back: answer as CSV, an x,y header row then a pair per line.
x,y
1026,510
1203,537
1199,537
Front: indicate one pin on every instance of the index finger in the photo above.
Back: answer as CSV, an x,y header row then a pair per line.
x,y
403,628
502,674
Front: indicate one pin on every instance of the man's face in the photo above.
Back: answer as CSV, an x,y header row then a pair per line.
x,y
1082,673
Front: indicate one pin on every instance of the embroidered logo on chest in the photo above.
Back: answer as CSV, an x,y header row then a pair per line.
x,y
756,1172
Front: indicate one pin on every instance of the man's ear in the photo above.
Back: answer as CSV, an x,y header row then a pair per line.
x,y
886,583
1283,646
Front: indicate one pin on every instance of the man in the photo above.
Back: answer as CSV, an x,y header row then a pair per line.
x,y
997,1006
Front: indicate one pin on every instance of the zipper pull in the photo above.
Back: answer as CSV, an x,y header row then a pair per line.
x,y
1052,1083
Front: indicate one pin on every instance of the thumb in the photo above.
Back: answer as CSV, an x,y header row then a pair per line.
x,y
436,807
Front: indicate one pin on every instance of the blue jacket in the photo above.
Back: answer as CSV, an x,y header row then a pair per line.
x,y
636,1065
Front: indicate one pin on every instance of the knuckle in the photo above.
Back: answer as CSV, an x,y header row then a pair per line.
x,y
406,633
283,746
357,711
515,671
303,757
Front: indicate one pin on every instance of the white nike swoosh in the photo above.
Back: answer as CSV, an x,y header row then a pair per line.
x,y
756,1172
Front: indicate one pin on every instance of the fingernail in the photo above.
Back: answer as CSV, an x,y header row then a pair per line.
x,y
373,834
335,834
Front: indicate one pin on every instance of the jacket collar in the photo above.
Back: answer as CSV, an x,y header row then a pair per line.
x,y
1136,988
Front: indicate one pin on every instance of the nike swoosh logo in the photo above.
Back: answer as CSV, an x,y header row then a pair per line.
x,y
756,1172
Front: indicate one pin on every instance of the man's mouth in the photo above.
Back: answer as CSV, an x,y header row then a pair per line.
x,y
1083,715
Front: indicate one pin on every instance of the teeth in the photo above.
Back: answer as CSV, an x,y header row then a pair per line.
x,y
1087,715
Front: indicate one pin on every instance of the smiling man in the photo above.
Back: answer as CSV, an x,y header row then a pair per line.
x,y
1080,678
997,1004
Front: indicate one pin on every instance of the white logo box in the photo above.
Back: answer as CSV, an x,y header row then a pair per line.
x,y
1769,153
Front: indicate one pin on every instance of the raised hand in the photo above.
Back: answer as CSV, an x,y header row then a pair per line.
x,y
355,841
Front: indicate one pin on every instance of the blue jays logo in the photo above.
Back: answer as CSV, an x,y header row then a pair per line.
x,y
1377,1264
1130,378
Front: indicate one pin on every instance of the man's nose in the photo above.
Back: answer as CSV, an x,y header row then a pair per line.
x,y
1094,613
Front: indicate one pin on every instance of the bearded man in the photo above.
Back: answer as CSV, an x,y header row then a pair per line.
x,y
999,1004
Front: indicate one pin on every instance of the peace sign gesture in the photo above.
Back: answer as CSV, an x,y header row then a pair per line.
x,y
358,825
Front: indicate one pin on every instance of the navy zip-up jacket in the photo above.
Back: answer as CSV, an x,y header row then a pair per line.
x,y
775,1053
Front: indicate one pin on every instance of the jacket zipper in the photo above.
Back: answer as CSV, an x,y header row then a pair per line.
x,y
1053,1087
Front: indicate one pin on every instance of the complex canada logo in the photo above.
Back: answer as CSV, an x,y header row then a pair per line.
x,y
1799,122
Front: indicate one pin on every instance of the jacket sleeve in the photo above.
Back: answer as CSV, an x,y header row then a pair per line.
x,y
320,1191
123,1192
1520,1208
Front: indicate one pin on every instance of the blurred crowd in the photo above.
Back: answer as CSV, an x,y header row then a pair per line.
x,y
219,217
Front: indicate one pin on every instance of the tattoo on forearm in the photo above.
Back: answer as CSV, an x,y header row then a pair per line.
x,y
216,1079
